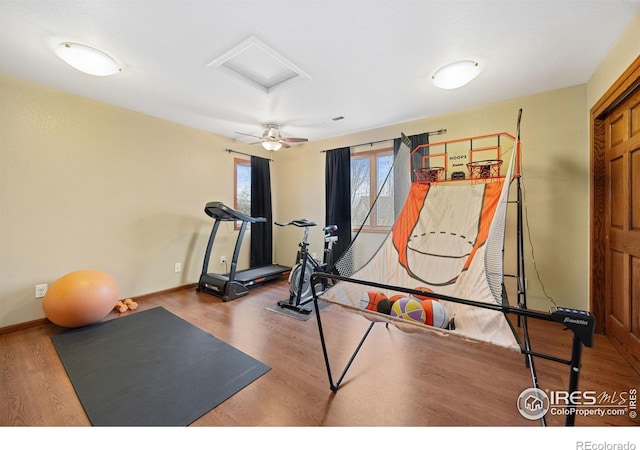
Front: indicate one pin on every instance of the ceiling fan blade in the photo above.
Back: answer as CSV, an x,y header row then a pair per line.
x,y
285,145
251,135
296,140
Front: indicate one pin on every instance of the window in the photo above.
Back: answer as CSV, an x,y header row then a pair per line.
x,y
242,200
371,176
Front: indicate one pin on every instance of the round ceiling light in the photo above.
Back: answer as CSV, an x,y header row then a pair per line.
x,y
272,146
87,59
456,74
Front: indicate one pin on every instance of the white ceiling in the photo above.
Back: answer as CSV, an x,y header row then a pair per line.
x,y
369,61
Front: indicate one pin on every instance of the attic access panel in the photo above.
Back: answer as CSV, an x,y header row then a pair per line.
x,y
259,66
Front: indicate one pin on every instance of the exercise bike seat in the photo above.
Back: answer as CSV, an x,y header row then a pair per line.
x,y
298,223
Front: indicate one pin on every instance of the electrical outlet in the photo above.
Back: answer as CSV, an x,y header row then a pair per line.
x,y
223,259
41,289
178,267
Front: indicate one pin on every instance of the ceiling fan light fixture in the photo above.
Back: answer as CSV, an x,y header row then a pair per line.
x,y
456,74
271,132
272,146
87,59
271,139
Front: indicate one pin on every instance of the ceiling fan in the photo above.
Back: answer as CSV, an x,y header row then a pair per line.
x,y
271,139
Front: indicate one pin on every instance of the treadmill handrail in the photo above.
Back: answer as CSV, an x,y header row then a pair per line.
x,y
220,211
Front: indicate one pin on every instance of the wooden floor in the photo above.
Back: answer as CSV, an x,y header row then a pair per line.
x,y
399,379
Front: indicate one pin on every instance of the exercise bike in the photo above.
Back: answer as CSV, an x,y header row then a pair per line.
x,y
300,292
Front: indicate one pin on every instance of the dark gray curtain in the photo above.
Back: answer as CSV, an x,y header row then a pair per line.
x,y
261,233
338,197
416,158
404,165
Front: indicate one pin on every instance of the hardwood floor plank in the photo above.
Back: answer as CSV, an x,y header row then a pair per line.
x,y
398,379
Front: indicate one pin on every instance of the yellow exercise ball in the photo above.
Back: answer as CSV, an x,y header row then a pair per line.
x,y
80,298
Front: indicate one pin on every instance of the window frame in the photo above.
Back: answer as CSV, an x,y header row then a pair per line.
x,y
372,155
238,162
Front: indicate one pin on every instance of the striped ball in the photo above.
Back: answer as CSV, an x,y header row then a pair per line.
x,y
435,313
409,309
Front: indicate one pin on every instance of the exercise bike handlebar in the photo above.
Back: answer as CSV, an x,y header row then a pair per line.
x,y
298,223
307,223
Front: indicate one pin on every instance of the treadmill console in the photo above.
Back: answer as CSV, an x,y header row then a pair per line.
x,y
220,211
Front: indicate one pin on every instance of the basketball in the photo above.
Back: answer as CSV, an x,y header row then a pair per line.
x,y
435,313
371,299
423,289
384,306
395,298
408,309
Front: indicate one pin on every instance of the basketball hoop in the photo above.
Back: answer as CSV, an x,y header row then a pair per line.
x,y
488,169
428,175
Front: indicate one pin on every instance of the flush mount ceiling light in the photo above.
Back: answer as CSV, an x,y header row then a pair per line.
x,y
456,74
87,59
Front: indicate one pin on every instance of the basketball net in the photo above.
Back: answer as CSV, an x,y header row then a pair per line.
x,y
429,175
484,171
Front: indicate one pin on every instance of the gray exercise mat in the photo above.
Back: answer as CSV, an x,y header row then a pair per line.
x,y
152,368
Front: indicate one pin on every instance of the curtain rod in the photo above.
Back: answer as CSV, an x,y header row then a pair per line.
x,y
228,150
428,133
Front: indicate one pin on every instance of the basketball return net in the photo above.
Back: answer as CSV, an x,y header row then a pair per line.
x,y
447,245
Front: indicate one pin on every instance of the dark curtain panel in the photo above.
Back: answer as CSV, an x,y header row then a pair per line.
x,y
404,165
401,173
261,233
338,197
416,158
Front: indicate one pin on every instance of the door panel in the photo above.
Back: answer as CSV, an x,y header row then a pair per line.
x,y
634,173
622,206
635,298
616,176
617,304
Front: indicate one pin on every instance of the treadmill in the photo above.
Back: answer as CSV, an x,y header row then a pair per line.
x,y
236,283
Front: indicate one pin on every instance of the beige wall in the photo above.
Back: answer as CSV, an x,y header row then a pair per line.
x,y
555,135
623,53
556,175
87,185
